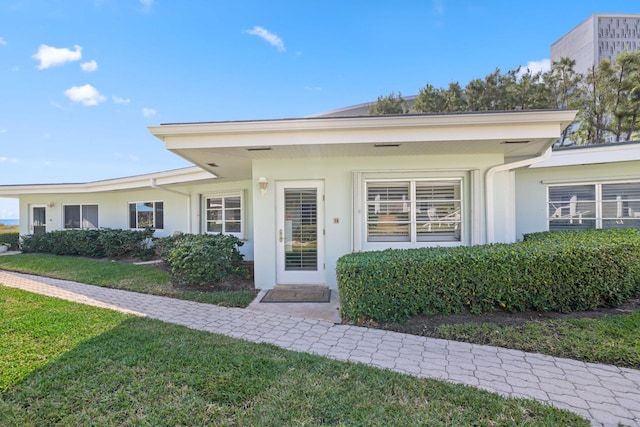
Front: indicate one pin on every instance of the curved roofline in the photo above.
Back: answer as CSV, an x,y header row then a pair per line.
x,y
338,112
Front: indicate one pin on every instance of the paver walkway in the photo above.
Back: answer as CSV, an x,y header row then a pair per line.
x,y
606,395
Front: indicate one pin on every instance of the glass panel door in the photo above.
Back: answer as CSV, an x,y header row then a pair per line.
x,y
300,235
301,229
38,219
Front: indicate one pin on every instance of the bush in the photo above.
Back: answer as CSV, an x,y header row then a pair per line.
x,y
100,243
547,272
197,259
123,243
11,239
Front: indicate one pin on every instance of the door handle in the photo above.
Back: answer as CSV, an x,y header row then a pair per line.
x,y
281,237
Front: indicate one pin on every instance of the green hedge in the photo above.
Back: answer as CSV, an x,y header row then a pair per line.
x,y
201,259
553,271
102,243
11,239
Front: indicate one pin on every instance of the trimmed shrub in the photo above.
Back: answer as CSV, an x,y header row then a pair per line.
x,y
11,239
118,243
100,243
547,272
197,259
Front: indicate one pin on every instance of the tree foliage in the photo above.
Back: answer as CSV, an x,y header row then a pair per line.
x,y
390,104
607,97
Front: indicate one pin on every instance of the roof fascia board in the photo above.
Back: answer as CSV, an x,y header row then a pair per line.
x,y
592,155
128,183
562,118
467,134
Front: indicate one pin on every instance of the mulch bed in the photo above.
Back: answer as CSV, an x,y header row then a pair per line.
x,y
232,283
427,325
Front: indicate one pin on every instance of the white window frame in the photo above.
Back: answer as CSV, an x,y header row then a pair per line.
x,y
223,196
81,207
155,210
598,220
360,217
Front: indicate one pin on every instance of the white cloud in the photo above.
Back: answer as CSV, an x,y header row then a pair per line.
x,y
543,65
53,56
8,160
55,104
15,68
146,3
149,112
89,66
3,131
87,95
267,36
313,88
119,100
2,42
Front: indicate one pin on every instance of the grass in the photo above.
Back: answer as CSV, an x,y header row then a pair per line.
x,y
130,277
81,365
610,339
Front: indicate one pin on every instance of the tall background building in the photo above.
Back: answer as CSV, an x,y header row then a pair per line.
x,y
601,36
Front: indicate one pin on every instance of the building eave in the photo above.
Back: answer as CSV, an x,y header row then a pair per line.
x,y
172,177
228,148
593,154
311,124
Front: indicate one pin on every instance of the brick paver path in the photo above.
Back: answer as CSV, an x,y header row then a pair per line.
x,y
606,395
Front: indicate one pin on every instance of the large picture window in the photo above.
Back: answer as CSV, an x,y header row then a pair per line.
x,y
414,211
80,216
146,215
603,205
224,214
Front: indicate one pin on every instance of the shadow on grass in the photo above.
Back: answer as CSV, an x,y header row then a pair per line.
x,y
145,372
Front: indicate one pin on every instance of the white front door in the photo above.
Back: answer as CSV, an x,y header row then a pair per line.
x,y
38,220
300,232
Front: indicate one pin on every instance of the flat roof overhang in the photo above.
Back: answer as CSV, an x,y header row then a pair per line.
x,y
174,178
227,149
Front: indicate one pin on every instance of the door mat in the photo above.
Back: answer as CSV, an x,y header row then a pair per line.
x,y
297,294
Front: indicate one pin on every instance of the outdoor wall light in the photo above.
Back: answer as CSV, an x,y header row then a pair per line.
x,y
50,204
263,183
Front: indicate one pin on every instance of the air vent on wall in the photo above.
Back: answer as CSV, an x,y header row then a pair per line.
x,y
386,145
259,149
516,142
213,165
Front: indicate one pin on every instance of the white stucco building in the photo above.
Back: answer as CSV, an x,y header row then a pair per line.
x,y
303,192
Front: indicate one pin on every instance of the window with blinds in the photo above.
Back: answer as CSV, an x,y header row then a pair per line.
x,y
572,207
584,206
414,211
621,205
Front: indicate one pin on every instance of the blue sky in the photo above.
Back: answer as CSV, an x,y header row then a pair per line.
x,y
80,80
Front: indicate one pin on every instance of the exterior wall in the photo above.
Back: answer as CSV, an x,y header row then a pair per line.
x,y
531,191
182,212
598,37
579,45
338,177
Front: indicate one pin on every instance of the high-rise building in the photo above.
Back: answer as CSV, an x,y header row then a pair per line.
x,y
600,36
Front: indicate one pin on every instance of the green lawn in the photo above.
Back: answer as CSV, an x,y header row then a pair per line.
x,y
611,339
68,364
136,278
